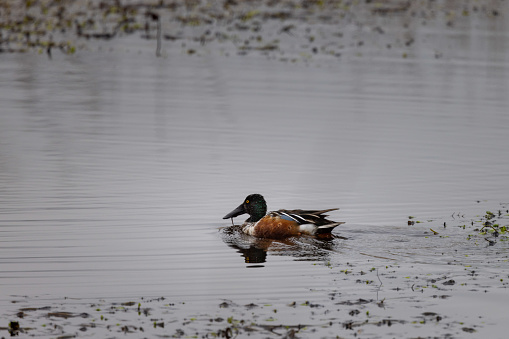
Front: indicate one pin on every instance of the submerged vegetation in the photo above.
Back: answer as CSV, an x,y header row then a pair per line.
x,y
288,30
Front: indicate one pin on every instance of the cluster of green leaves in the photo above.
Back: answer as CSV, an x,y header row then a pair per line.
x,y
491,227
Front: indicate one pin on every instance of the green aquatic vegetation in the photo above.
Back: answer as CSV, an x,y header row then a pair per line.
x,y
491,230
249,15
14,328
190,20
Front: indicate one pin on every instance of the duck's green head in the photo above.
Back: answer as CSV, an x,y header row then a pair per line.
x,y
254,205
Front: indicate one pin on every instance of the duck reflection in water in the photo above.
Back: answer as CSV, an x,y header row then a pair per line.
x,y
255,250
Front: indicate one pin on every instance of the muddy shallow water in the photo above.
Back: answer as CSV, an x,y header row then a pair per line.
x,y
116,168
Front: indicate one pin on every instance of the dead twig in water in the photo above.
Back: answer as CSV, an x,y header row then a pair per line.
x,y
156,17
379,287
490,242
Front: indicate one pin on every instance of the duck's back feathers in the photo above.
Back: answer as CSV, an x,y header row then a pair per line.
x,y
316,217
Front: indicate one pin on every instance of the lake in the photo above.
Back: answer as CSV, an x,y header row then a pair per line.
x,y
117,166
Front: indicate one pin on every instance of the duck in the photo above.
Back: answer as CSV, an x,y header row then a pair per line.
x,y
281,223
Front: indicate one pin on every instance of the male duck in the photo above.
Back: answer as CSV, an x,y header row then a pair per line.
x,y
282,223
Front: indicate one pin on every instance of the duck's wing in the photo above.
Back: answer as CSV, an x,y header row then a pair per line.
x,y
316,217
312,222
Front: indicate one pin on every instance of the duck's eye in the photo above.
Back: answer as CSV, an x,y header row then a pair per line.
x,y
247,201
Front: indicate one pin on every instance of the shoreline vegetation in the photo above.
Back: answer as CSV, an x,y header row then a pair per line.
x,y
285,29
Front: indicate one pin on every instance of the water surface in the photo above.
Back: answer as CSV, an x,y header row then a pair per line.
x,y
116,168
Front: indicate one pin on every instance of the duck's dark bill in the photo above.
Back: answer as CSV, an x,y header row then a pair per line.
x,y
236,212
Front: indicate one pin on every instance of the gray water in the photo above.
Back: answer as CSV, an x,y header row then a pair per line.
x,y
116,168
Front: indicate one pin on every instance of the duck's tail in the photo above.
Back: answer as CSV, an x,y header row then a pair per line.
x,y
327,228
